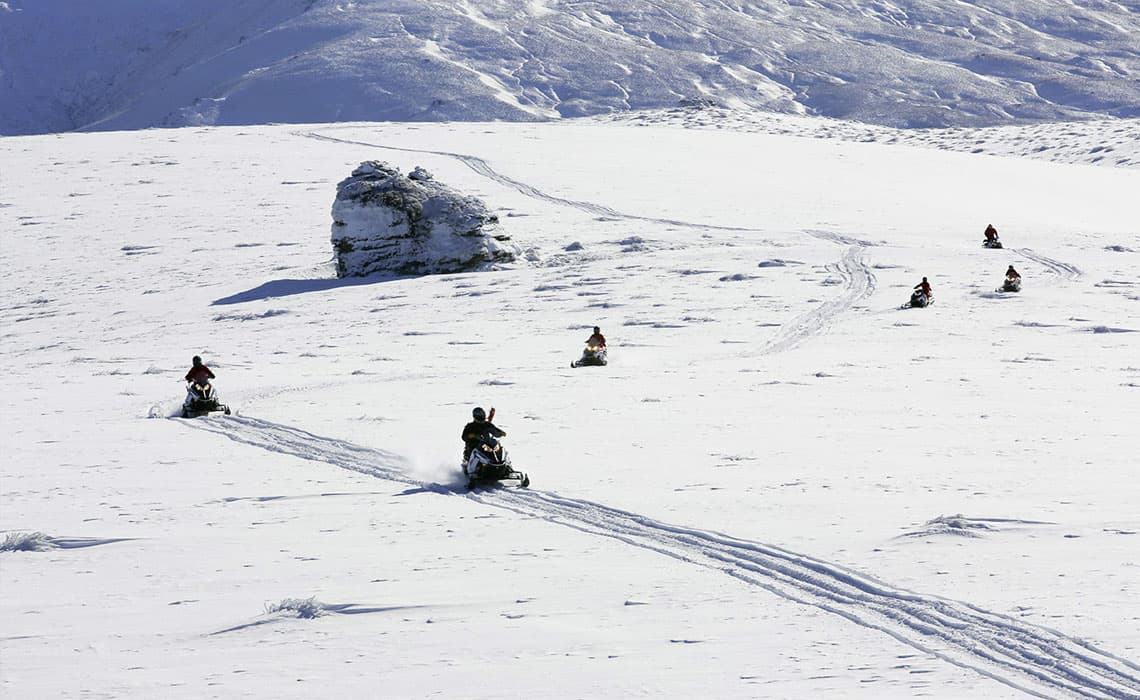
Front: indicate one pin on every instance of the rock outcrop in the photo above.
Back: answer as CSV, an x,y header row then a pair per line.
x,y
385,221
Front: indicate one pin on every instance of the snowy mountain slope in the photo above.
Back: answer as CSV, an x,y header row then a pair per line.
x,y
65,65
783,485
133,64
1114,143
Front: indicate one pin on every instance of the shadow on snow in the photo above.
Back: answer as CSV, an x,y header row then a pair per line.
x,y
285,288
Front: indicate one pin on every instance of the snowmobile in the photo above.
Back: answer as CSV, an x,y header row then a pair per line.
x,y
202,399
1011,284
489,463
593,355
991,243
918,299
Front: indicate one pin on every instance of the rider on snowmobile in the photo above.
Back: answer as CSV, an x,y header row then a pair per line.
x,y
925,287
991,233
200,396
199,372
477,431
597,339
1012,274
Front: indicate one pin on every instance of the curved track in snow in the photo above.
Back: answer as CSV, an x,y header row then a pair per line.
x,y
484,168
838,238
858,283
1036,660
1055,267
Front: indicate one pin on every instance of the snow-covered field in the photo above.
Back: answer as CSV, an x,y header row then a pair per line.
x,y
782,486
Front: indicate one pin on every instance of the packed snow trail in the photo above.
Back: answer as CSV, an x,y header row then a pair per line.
x,y
1036,660
484,168
858,283
858,279
1055,267
838,238
287,440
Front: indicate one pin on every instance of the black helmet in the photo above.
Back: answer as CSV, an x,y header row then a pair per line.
x,y
479,414
197,360
597,330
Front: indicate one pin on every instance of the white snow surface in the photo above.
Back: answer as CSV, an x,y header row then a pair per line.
x,y
783,485
130,64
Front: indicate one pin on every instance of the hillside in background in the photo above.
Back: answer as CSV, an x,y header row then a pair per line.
x,y
133,64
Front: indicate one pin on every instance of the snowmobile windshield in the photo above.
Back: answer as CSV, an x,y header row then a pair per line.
x,y
490,442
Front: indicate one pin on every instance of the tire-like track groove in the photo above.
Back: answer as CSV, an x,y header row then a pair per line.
x,y
858,283
1036,660
484,168
858,279
1061,269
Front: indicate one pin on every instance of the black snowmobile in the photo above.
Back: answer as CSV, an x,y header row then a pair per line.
x,y
202,399
991,243
1011,284
489,463
593,355
918,299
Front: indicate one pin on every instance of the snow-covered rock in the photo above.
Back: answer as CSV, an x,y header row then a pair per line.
x,y
385,221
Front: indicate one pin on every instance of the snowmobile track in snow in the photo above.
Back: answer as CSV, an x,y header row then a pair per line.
x,y
838,238
858,283
858,278
484,168
1056,267
1036,660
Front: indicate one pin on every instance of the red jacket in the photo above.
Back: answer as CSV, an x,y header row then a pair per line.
x,y
597,339
199,373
